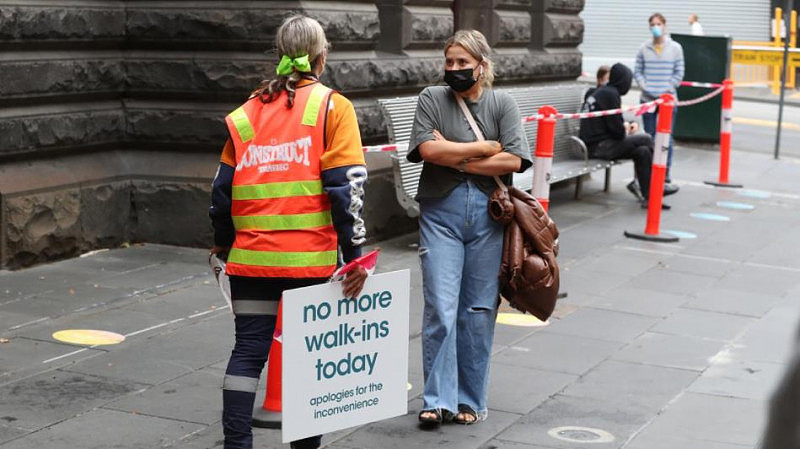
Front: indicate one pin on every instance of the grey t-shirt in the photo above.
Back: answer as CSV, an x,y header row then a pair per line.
x,y
498,118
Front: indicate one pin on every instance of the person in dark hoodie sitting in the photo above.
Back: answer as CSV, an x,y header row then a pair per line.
x,y
612,138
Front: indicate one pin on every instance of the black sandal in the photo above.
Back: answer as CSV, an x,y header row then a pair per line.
x,y
428,420
464,409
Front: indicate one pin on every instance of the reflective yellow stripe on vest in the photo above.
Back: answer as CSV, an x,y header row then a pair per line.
x,y
242,124
283,258
277,190
311,112
283,222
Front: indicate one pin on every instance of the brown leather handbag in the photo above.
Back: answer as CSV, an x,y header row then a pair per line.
x,y
529,277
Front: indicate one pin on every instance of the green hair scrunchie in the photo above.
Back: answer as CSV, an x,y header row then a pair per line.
x,y
287,64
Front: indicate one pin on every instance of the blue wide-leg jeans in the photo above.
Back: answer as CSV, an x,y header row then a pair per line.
x,y
460,251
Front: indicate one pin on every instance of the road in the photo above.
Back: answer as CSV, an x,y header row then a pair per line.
x,y
754,127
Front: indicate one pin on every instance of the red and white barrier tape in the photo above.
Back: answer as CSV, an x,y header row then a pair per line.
x,y
701,99
639,108
380,148
696,84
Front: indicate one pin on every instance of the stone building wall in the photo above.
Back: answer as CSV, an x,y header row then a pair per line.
x,y
111,111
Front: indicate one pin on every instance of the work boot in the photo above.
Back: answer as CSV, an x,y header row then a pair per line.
x,y
634,188
670,188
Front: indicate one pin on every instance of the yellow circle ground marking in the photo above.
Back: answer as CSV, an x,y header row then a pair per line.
x,y
518,319
88,337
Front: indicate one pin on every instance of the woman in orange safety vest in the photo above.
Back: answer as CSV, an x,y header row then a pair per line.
x,y
286,206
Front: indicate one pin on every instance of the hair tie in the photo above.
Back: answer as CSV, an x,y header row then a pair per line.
x,y
287,65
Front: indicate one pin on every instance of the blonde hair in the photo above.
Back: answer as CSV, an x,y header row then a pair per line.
x,y
297,36
474,42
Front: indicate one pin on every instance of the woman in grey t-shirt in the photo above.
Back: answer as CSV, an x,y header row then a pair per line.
x,y
460,246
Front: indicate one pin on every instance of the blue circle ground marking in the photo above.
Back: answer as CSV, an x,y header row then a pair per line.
x,y
754,194
735,206
711,217
680,234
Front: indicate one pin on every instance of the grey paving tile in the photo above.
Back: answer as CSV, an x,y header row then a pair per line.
x,y
103,429
118,320
724,420
165,355
505,334
159,276
672,351
701,266
500,444
562,411
591,283
760,280
182,302
703,324
9,432
211,437
33,281
51,397
672,282
620,383
639,301
771,339
602,325
617,261
10,322
404,432
740,379
725,300
718,244
555,352
66,298
195,397
519,390
22,357
776,254
645,441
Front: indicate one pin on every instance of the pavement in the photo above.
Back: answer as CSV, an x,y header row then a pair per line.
x,y
656,345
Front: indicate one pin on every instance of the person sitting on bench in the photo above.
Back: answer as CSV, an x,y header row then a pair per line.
x,y
611,137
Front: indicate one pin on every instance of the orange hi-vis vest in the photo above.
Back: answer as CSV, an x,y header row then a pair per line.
x,y
280,211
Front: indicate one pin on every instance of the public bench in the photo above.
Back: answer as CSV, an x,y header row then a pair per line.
x,y
570,156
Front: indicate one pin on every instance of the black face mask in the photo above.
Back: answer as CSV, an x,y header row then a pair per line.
x,y
459,80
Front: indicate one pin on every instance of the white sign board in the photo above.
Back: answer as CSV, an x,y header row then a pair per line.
x,y
345,360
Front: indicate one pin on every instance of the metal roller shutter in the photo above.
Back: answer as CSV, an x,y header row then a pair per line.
x,y
614,29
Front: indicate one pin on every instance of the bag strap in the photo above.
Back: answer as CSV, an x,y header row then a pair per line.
x,y
477,131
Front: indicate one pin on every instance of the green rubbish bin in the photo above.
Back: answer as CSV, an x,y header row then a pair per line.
x,y
707,60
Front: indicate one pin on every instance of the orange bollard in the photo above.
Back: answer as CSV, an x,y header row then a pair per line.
x,y
269,414
658,174
543,164
726,126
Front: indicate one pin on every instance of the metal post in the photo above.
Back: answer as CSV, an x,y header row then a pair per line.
x,y
789,7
